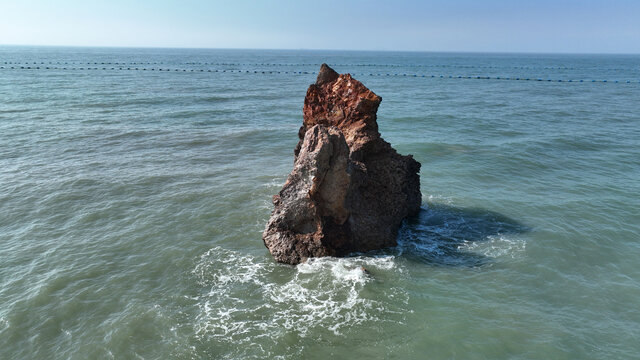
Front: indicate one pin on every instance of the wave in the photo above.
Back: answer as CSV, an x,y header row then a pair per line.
x,y
323,297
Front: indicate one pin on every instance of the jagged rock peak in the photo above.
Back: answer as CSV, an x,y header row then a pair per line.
x,y
326,75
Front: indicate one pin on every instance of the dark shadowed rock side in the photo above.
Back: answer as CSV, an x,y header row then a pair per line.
x,y
349,189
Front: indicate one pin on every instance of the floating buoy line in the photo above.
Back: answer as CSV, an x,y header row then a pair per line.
x,y
119,66
318,64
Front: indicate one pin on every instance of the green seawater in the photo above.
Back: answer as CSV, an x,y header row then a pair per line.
x,y
132,202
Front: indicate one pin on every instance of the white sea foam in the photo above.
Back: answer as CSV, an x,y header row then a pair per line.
x,y
441,199
320,295
497,246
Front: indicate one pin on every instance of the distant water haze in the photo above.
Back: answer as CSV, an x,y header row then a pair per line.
x,y
135,185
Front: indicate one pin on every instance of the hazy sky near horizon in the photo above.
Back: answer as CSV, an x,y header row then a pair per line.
x,y
582,26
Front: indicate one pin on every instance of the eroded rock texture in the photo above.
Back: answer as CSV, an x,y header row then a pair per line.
x,y
349,189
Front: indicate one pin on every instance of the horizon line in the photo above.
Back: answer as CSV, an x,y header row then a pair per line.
x,y
312,49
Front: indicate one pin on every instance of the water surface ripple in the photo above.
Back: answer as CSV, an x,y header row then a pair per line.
x,y
132,205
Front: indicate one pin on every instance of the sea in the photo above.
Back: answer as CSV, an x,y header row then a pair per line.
x,y
135,184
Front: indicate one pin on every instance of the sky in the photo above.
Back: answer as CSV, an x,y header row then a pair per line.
x,y
549,26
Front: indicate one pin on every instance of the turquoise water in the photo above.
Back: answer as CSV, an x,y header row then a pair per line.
x,y
132,202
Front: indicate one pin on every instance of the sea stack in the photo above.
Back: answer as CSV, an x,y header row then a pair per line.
x,y
349,189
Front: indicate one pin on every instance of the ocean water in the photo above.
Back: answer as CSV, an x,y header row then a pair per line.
x,y
132,201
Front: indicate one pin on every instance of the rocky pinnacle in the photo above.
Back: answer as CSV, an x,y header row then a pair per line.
x,y
349,189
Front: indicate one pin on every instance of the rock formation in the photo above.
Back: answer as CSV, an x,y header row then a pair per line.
x,y
349,189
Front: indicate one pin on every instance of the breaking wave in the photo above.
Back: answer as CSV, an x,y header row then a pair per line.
x,y
249,300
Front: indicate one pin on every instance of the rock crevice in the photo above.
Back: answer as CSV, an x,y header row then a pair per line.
x,y
349,189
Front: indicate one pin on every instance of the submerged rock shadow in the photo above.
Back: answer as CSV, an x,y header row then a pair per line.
x,y
439,233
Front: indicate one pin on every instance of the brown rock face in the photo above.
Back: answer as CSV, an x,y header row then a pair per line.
x,y
349,189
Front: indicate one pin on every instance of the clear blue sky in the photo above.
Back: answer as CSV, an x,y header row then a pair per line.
x,y
592,26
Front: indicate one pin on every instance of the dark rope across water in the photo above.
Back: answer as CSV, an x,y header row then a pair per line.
x,y
79,66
